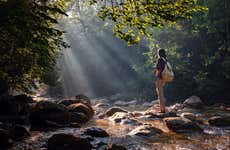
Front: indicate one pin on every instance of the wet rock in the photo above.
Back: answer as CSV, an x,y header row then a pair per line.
x,y
175,107
189,116
118,116
67,142
81,108
145,130
221,121
78,117
19,132
115,147
95,132
101,105
194,102
46,110
128,121
5,140
113,110
181,125
77,99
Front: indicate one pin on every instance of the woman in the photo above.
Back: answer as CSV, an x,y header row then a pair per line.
x,y
161,62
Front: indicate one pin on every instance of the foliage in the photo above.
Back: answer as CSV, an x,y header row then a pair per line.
x,y
29,41
199,50
136,18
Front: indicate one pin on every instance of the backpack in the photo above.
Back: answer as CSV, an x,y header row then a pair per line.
x,y
167,73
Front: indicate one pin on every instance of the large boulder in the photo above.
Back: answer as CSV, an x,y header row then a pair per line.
x,y
81,108
181,125
45,111
67,142
113,110
194,102
221,121
145,130
95,132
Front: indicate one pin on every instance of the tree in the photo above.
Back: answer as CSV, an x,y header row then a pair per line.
x,y
29,41
134,18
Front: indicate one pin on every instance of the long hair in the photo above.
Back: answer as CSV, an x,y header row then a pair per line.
x,y
161,53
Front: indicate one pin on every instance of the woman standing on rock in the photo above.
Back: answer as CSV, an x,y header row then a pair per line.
x,y
162,75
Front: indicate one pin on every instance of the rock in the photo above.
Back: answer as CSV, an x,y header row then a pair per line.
x,y
81,108
220,121
128,121
194,102
113,110
118,116
46,110
77,99
101,105
181,125
78,117
95,132
67,142
176,107
20,131
115,147
5,140
189,116
137,114
145,130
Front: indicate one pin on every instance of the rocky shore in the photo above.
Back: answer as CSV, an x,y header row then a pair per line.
x,y
66,124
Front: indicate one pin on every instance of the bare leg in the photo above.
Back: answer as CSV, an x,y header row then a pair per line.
x,y
159,88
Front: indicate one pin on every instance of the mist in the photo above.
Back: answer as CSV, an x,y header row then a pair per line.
x,y
97,63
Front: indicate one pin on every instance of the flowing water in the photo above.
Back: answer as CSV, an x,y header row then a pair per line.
x,y
212,138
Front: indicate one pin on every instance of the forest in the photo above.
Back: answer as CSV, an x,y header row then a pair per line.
x,y
84,70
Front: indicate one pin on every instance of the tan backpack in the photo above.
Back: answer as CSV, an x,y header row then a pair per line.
x,y
167,73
